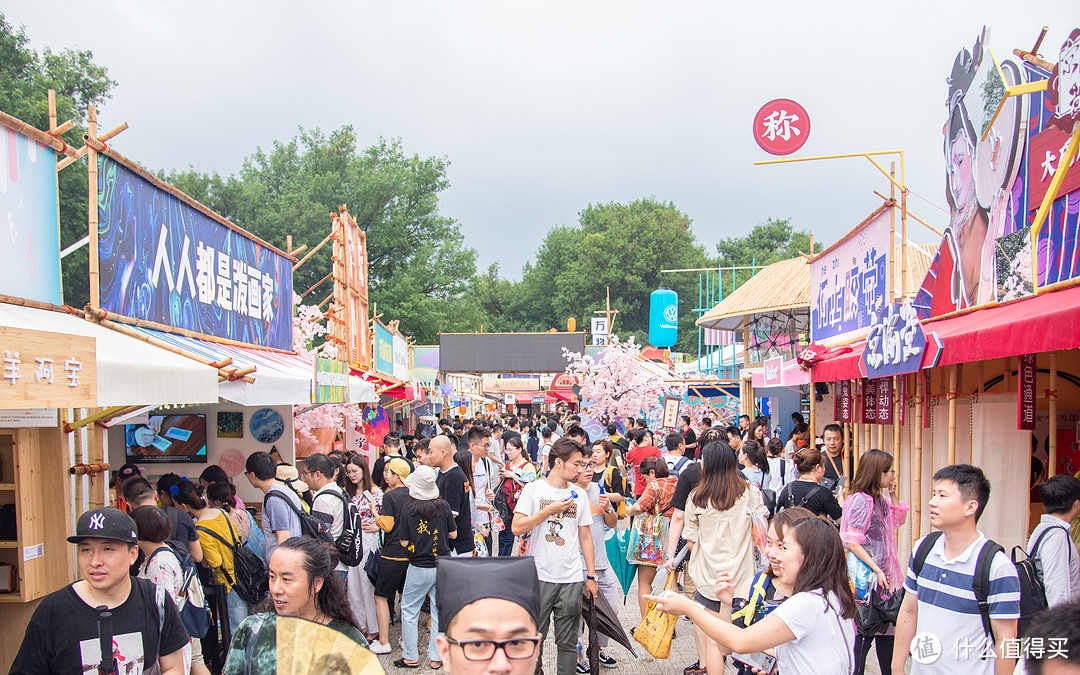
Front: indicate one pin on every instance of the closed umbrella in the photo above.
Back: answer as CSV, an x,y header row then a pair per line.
x,y
602,619
617,541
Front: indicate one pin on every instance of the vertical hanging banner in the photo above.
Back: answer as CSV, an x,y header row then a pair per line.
x,y
1025,398
164,259
869,401
384,350
845,402
928,398
331,384
885,400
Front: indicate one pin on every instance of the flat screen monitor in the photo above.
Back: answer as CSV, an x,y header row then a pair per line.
x,y
167,438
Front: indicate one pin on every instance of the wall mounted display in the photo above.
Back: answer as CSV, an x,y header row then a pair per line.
x,y
230,425
266,425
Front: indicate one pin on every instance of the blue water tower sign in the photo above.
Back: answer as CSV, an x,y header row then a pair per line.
x,y
663,318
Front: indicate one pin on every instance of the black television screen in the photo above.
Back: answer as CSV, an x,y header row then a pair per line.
x,y
167,438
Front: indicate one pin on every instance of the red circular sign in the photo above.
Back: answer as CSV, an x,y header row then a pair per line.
x,y
781,126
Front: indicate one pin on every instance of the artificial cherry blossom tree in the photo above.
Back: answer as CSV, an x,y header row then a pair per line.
x,y
309,331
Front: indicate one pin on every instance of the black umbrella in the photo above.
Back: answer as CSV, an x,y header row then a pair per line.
x,y
602,619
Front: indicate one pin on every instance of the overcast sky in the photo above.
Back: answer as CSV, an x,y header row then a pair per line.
x,y
544,107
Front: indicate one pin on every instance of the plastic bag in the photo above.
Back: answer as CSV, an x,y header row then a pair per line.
x,y
648,535
657,629
862,577
759,530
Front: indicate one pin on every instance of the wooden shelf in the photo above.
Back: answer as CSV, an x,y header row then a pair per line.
x,y
7,486
9,544
11,597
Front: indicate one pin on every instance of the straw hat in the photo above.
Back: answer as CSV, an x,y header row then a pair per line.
x,y
287,473
421,484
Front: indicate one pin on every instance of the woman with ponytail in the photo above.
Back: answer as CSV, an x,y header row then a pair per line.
x,y
302,584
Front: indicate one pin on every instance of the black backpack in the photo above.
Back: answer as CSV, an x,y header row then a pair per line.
x,y
980,582
252,579
314,525
350,544
1032,588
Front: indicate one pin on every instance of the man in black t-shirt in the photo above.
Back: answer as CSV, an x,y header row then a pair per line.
x,y
512,430
689,437
63,634
454,488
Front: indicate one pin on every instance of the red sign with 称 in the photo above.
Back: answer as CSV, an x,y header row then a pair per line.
x,y
781,126
1044,161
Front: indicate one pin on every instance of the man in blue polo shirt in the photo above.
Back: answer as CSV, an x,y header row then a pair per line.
x,y
940,623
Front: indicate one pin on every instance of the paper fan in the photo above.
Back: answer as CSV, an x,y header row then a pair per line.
x,y
308,648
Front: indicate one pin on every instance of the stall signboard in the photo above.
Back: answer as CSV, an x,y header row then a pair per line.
x,y
509,399
47,370
425,364
538,400
781,126
331,383
384,350
849,280
774,369
164,260
896,343
30,256
1025,399
401,357
671,412
512,384
349,319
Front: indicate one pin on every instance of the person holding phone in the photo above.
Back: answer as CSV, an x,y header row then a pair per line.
x,y
812,631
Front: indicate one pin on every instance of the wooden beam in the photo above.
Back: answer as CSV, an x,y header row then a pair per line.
x,y
915,499
1053,408
954,376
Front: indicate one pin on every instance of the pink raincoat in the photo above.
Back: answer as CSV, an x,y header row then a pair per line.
x,y
872,523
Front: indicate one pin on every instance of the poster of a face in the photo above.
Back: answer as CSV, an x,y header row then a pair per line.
x,y
979,171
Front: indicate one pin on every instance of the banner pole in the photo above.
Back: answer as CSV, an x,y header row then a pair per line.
x,y
92,211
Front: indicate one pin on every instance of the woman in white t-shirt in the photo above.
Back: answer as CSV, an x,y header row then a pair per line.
x,y
812,631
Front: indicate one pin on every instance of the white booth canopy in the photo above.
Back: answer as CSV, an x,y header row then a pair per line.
x,y
129,371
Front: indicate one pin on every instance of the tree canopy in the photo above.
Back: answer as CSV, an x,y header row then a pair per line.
x,y
25,79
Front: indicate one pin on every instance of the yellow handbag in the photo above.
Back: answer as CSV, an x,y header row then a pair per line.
x,y
657,628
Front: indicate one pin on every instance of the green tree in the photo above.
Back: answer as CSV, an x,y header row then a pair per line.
x,y
770,241
419,266
621,247
25,79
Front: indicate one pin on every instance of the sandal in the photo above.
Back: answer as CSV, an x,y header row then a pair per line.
x,y
435,665
402,663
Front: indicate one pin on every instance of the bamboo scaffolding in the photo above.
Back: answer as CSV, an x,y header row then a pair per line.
x,y
81,152
1053,406
314,251
131,332
100,415
898,405
36,134
97,312
317,284
954,376
87,469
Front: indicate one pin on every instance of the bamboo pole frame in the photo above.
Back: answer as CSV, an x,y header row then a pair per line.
x,y
37,134
954,375
1053,406
97,145
916,458
898,405
92,212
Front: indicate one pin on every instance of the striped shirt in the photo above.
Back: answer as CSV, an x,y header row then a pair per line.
x,y
948,608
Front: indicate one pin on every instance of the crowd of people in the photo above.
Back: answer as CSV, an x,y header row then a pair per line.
x,y
497,530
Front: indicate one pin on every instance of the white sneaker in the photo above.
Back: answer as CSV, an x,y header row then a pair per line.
x,y
379,648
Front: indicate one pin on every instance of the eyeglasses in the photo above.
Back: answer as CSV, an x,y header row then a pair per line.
x,y
484,650
589,465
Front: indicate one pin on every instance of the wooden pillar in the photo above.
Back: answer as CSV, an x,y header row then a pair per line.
x,y
954,376
813,413
92,211
916,458
1053,405
898,404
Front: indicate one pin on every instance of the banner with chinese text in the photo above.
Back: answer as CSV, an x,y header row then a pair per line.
x,y
163,260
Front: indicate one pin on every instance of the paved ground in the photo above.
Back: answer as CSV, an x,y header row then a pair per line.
x,y
682,650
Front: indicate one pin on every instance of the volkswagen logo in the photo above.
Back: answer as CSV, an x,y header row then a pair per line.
x,y
671,314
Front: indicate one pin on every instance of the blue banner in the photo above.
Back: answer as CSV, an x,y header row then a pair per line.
x,y
163,260
30,263
384,350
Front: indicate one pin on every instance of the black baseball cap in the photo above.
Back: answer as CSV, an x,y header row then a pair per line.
x,y
105,523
